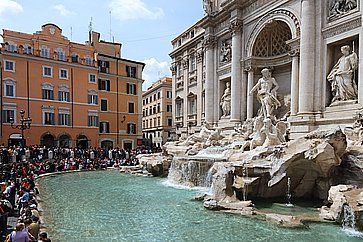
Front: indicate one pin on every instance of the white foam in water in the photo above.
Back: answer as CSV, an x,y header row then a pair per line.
x,y
353,232
348,222
169,183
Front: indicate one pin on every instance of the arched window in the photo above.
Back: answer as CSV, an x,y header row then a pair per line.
x,y
88,60
11,46
272,40
61,54
44,51
27,49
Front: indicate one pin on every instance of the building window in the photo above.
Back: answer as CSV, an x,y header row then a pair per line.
x,y
74,58
60,54
47,92
158,108
104,127
93,120
179,108
193,65
63,74
154,97
48,118
192,105
131,108
146,112
8,116
27,50
44,52
151,110
131,88
170,122
63,94
131,128
9,65
103,85
11,47
9,88
64,119
92,98
104,105
103,66
159,121
169,94
154,109
47,71
131,71
88,60
92,78
169,108
159,95
178,71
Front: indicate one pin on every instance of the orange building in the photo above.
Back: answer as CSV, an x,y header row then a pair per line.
x,y
57,82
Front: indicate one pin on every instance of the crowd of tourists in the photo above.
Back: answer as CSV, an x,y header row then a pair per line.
x,y
20,166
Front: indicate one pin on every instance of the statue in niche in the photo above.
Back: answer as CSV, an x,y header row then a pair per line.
x,y
342,6
266,88
226,101
208,6
226,52
341,76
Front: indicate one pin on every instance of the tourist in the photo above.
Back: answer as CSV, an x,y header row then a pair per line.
x,y
43,237
34,228
20,234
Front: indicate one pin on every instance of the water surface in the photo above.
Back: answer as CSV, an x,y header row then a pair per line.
x,y
109,206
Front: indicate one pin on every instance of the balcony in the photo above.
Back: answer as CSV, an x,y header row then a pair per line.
x,y
192,118
179,121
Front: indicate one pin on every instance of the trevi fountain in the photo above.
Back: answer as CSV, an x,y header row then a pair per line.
x,y
269,127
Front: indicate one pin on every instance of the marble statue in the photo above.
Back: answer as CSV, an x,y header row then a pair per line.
x,y
200,137
341,76
271,133
342,6
208,6
266,88
258,137
226,52
226,101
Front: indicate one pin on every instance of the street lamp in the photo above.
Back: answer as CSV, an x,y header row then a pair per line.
x,y
24,124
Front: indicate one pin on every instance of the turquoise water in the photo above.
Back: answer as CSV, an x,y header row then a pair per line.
x,y
109,206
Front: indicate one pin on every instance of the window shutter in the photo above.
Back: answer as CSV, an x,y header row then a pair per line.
x,y
128,88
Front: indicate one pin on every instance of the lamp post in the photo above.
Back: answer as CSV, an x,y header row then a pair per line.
x,y
24,124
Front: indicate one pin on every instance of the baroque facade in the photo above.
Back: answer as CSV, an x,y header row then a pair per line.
x,y
217,62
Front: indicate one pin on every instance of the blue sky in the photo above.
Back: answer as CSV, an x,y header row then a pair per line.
x,y
144,27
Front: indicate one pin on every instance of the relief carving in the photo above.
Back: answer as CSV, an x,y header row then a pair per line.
x,y
341,7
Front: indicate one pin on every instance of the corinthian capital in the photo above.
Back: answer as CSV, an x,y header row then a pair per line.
x,y
235,26
209,42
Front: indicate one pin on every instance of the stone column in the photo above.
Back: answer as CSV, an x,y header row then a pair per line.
x,y
307,53
236,71
360,68
185,64
294,83
250,83
244,96
209,43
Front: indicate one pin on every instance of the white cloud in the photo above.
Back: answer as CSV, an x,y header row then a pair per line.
x,y
154,70
62,10
133,9
10,6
